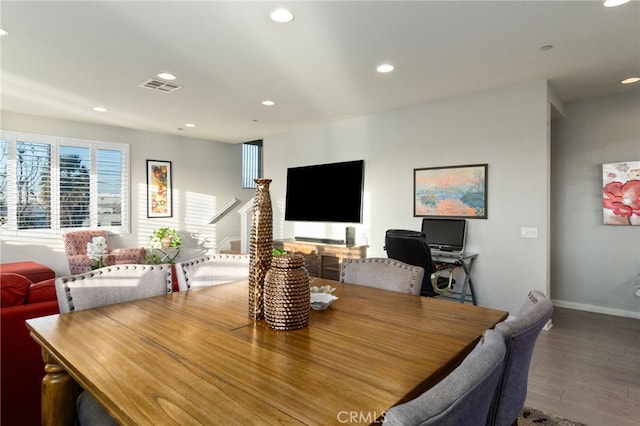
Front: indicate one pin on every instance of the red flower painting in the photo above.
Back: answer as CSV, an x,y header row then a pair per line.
x,y
621,198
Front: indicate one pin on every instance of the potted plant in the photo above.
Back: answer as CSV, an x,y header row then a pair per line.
x,y
164,245
165,238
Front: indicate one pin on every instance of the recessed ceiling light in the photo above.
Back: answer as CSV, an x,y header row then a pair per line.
x,y
614,3
385,68
281,16
3,32
166,76
268,103
100,109
189,125
630,80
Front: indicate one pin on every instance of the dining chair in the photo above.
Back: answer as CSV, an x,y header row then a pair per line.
x,y
380,272
212,270
112,284
520,335
107,286
464,396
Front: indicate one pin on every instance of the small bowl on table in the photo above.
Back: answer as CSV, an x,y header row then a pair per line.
x,y
321,301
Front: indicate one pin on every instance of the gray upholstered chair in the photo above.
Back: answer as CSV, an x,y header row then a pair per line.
x,y
107,286
379,272
212,270
520,335
461,398
112,284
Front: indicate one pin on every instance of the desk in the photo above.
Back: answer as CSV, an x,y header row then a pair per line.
x,y
195,358
465,261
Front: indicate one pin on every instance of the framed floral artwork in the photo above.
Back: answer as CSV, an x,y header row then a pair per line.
x,y
159,189
453,191
621,193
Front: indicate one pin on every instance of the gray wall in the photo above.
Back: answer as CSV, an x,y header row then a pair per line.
x,y
206,176
506,128
594,266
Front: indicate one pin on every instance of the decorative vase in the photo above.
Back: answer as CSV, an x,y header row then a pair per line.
x,y
97,264
287,293
260,247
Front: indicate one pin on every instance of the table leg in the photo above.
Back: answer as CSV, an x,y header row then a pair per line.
x,y
467,282
59,394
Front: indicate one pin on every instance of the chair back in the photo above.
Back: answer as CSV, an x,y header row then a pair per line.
x,y
212,270
520,335
461,398
388,274
112,284
411,247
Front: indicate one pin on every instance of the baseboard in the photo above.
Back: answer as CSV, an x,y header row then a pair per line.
x,y
596,309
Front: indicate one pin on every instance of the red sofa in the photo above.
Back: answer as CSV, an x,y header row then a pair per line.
x,y
22,367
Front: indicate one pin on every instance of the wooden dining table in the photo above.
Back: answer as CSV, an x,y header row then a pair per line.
x,y
196,358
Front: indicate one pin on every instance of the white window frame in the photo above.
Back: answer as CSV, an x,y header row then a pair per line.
x,y
55,142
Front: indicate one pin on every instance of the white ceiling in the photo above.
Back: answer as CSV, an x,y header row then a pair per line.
x,y
60,59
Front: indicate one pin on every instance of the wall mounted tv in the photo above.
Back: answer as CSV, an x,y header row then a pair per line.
x,y
325,192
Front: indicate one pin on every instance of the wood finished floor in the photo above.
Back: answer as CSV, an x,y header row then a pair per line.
x,y
587,368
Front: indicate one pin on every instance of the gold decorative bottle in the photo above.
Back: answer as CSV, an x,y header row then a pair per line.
x,y
260,247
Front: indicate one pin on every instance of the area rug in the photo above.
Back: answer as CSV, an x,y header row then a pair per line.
x,y
533,417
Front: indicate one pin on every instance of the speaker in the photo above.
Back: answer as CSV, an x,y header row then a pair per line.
x,y
350,236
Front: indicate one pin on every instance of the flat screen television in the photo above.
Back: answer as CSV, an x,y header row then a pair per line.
x,y
445,234
325,192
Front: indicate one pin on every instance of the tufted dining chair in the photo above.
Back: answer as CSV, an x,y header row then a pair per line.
x,y
379,272
212,270
461,398
107,286
520,335
75,244
112,284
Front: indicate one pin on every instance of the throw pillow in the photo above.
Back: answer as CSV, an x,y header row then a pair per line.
x,y
13,289
44,291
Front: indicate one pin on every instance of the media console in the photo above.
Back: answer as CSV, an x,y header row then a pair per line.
x,y
322,259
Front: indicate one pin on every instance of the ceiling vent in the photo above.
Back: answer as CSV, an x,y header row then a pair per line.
x,y
160,86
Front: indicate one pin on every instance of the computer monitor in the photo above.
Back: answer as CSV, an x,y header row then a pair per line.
x,y
445,234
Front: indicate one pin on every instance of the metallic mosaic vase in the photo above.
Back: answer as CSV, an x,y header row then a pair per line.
x,y
287,293
260,247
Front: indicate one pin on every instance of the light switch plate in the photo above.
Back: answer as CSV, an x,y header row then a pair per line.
x,y
527,232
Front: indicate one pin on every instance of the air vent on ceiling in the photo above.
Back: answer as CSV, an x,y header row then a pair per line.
x,y
160,86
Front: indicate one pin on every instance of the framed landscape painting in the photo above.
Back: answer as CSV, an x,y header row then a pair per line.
x,y
454,191
621,193
159,190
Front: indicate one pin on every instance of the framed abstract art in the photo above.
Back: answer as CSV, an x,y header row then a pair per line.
x,y
453,191
159,189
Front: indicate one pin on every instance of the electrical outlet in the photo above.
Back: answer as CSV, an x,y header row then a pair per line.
x,y
638,291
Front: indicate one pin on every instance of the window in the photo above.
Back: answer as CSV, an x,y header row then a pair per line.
x,y
62,183
251,163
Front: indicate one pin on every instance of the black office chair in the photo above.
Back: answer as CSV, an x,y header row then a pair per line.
x,y
411,247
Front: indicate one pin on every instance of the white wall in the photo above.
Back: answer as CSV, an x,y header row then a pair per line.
x,y
506,128
206,176
594,266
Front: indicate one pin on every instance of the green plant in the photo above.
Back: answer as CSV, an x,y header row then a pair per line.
x,y
278,252
164,233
